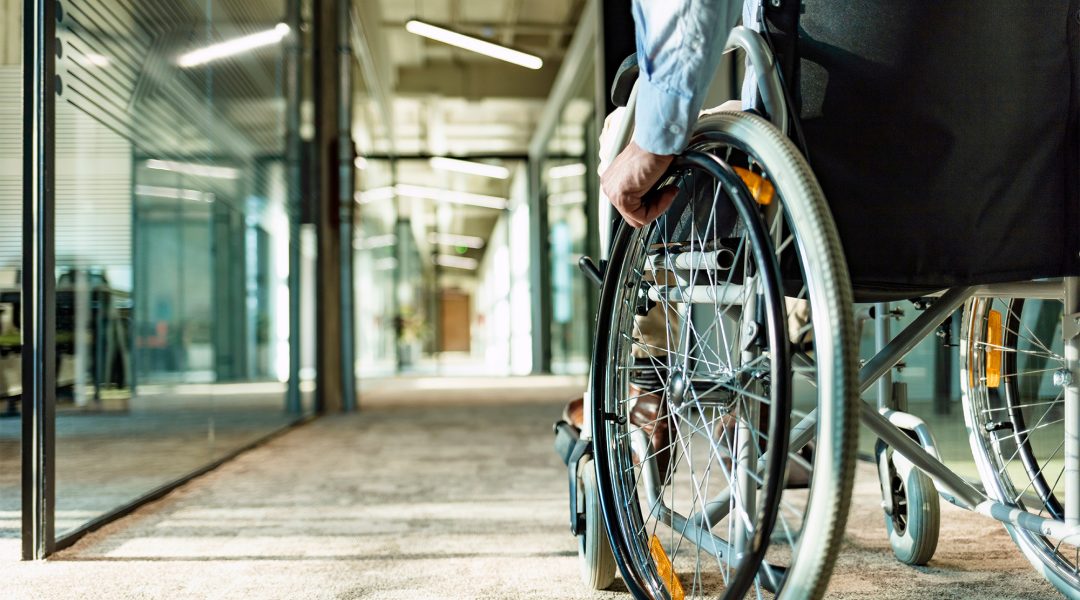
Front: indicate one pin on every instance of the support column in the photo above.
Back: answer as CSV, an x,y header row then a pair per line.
x,y
293,173
333,168
38,279
539,272
346,154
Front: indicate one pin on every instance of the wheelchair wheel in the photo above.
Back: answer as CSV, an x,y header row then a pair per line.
x,y
1011,356
915,522
731,315
594,550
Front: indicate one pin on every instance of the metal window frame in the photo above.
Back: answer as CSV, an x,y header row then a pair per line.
x,y
40,85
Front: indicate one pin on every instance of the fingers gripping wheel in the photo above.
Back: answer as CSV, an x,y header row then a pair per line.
x,y
707,300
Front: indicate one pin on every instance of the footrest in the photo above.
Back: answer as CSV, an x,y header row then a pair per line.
x,y
571,448
566,440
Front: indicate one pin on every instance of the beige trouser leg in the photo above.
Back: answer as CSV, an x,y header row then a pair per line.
x,y
656,333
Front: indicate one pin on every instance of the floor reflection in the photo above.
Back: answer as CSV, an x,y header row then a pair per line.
x,y
106,459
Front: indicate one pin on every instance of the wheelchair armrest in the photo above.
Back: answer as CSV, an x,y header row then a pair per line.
x,y
624,80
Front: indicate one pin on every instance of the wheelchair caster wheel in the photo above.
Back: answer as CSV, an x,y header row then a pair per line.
x,y
912,509
594,550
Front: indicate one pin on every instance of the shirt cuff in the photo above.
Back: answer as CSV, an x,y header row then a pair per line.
x,y
662,119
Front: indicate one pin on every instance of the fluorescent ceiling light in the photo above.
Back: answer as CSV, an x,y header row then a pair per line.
x,y
386,264
457,262
563,171
155,191
473,44
453,239
233,46
375,195
430,193
567,198
441,195
96,60
193,169
467,166
375,241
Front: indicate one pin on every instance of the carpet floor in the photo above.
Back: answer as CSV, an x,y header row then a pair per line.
x,y
437,489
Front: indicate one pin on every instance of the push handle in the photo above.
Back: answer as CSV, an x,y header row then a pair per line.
x,y
625,78
593,272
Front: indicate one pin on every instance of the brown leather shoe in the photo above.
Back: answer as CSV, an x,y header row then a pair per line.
x,y
574,412
650,414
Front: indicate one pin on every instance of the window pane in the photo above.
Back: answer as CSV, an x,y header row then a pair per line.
x,y
172,243
10,264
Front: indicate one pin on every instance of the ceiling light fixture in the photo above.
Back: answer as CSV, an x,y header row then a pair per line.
x,y
375,194
453,239
233,46
156,191
446,36
469,167
450,196
96,60
567,198
386,264
193,169
564,171
456,262
376,241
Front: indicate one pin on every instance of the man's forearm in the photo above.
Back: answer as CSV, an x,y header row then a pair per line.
x,y
679,45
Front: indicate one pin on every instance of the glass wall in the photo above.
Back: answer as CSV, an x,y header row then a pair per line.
x,y
430,298
394,276
377,270
569,187
10,264
172,237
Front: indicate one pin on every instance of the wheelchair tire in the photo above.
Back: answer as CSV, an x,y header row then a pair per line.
x,y
724,398
1012,427
914,526
594,550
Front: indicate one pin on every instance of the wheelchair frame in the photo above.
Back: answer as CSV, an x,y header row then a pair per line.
x,y
890,425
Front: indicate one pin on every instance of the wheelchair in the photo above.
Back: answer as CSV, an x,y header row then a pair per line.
x,y
736,310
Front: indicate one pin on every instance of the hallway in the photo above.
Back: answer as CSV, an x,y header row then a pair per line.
x,y
442,489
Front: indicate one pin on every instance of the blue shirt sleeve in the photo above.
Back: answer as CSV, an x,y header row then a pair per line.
x,y
679,45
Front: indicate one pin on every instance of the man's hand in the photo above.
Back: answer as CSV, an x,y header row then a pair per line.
x,y
630,176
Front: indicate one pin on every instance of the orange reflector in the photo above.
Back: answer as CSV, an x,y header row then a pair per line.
x,y
759,187
993,349
665,570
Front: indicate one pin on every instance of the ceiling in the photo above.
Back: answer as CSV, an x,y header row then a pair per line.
x,y
446,101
